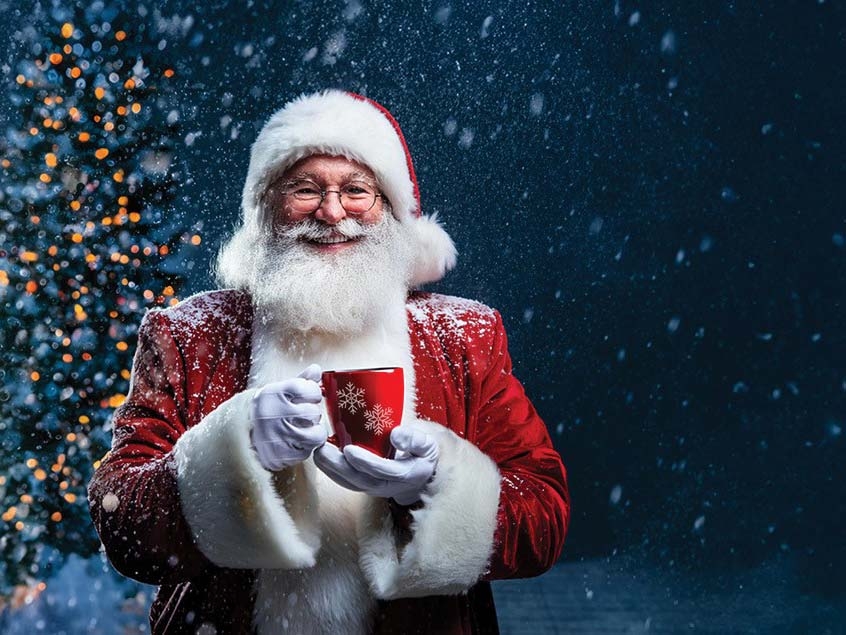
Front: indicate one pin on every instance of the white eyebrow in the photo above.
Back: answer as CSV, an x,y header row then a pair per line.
x,y
299,176
311,176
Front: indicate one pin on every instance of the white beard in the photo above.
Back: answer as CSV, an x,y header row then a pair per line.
x,y
341,294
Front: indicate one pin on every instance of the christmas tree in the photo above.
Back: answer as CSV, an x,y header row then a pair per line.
x,y
88,241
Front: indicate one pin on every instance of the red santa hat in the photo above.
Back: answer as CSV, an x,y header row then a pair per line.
x,y
339,123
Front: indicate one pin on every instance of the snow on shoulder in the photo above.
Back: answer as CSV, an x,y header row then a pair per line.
x,y
451,316
210,310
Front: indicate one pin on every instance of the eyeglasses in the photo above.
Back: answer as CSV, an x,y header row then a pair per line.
x,y
305,197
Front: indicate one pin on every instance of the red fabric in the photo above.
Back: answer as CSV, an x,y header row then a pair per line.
x,y
193,357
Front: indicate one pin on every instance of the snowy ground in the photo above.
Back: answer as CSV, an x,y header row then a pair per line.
x,y
595,596
607,596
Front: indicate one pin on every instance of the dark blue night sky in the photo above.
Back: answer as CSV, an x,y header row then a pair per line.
x,y
651,194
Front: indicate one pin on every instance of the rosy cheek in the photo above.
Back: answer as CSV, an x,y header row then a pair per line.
x,y
286,216
371,217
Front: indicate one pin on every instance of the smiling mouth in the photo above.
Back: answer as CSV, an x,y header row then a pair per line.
x,y
331,240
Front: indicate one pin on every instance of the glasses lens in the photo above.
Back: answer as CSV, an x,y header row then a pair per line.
x,y
358,197
303,196
303,191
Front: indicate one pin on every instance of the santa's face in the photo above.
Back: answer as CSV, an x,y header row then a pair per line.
x,y
329,190
327,266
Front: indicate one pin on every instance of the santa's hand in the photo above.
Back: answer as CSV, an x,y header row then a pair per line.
x,y
403,478
285,419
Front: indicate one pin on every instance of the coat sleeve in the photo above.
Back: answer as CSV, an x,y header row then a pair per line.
x,y
498,506
534,504
134,496
172,499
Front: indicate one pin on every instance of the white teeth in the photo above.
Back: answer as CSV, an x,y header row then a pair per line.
x,y
331,240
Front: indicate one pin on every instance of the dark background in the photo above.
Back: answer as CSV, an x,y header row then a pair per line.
x,y
651,194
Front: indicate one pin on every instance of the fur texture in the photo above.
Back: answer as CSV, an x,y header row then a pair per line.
x,y
239,516
332,596
436,253
452,533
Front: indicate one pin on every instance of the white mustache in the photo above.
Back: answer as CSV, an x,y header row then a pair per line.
x,y
311,229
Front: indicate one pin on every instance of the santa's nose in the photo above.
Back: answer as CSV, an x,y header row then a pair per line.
x,y
331,211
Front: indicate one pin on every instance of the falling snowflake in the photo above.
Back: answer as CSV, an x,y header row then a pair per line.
x,y
351,398
378,419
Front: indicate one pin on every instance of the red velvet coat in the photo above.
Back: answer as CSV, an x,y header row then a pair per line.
x,y
193,357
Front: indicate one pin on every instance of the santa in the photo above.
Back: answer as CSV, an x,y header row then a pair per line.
x,y
221,488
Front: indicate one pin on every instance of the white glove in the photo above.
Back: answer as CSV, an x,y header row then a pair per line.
x,y
285,418
402,478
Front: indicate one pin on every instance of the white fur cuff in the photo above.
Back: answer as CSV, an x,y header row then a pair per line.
x,y
236,515
452,534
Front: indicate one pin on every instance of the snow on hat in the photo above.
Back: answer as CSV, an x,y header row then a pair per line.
x,y
339,123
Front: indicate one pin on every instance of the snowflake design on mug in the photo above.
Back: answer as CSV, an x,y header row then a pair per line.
x,y
378,419
351,398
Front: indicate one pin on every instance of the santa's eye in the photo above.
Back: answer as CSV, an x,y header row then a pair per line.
x,y
357,190
303,190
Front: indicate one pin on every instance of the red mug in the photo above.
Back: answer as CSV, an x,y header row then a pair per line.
x,y
364,405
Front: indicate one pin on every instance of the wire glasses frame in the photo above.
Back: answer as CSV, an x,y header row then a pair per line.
x,y
306,197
